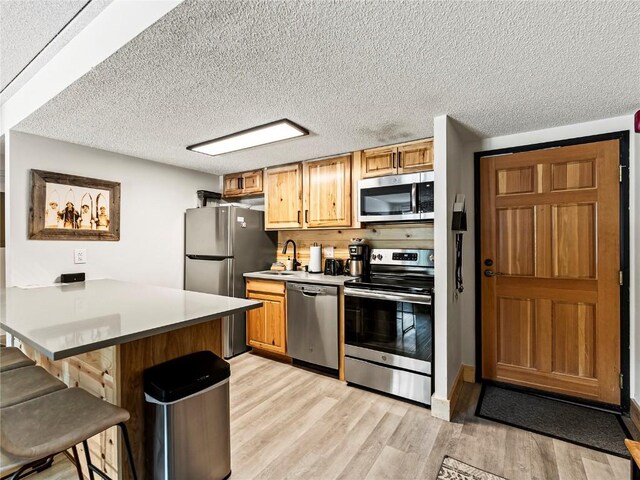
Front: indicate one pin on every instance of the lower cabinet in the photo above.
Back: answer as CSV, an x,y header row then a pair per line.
x,y
267,325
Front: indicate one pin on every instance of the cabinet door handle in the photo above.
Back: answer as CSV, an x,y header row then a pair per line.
x,y
393,159
306,216
299,212
240,183
399,159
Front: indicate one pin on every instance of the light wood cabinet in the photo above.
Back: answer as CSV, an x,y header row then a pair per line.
x,y
252,182
283,197
267,325
243,184
415,157
232,185
408,157
327,192
377,162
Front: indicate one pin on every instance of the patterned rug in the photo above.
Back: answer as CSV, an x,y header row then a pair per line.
x,y
452,469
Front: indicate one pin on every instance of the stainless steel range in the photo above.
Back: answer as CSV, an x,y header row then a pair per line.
x,y
389,325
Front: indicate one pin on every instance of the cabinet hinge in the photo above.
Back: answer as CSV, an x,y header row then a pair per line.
x,y
621,381
621,277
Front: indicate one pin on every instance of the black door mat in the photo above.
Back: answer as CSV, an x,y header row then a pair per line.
x,y
588,427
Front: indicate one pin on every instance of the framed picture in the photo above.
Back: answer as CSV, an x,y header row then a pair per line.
x,y
67,207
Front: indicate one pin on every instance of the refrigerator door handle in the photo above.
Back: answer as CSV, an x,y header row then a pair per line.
x,y
214,258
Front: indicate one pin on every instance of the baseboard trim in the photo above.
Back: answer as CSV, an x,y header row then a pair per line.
x,y
634,410
456,388
440,408
469,373
443,408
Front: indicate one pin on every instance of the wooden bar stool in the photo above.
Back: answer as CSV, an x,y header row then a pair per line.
x,y
36,429
26,383
12,357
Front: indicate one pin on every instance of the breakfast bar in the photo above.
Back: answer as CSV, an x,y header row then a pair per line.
x,y
102,334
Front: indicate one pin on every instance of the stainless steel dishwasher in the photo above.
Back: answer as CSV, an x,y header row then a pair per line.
x,y
312,324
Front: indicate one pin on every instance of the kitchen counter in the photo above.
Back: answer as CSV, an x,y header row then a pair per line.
x,y
101,335
301,277
66,320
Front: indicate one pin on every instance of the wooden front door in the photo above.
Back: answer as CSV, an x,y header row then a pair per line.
x,y
550,260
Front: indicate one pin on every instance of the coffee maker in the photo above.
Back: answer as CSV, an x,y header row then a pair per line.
x,y
358,263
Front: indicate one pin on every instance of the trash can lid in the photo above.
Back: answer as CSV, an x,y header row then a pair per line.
x,y
184,376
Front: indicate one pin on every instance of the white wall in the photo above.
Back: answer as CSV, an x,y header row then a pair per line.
x,y
453,167
153,201
634,187
582,130
2,263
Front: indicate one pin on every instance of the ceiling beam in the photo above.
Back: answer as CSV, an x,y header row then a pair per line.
x,y
115,26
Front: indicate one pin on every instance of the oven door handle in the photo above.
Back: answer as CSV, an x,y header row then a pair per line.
x,y
402,297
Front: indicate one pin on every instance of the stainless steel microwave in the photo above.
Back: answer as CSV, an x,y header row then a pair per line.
x,y
396,198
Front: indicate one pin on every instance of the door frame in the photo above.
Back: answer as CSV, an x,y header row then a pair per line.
x,y
625,362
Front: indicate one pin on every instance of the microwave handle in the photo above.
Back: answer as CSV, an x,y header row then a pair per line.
x,y
414,198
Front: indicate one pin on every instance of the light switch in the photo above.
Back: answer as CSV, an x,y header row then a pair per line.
x,y
327,252
80,255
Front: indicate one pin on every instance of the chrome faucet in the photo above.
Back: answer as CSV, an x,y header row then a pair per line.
x,y
295,250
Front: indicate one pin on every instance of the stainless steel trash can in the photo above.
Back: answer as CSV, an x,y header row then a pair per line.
x,y
187,410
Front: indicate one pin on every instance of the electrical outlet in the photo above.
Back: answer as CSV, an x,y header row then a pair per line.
x,y
80,255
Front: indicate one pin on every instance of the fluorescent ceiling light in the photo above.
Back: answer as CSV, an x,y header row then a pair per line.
x,y
253,137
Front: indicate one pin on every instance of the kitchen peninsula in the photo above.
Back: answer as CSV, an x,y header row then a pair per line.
x,y
102,334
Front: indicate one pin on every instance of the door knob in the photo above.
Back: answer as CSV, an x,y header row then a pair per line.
x,y
491,273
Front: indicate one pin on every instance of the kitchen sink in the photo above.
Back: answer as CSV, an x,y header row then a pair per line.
x,y
273,272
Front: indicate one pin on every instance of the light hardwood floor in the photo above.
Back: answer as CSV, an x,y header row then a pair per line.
x,y
290,423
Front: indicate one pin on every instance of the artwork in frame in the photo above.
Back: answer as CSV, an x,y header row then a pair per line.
x,y
68,207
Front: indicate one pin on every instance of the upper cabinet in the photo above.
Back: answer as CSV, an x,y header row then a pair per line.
x,y
403,158
241,184
327,192
309,195
377,162
283,197
415,157
232,185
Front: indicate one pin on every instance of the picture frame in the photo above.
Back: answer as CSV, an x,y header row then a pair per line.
x,y
69,207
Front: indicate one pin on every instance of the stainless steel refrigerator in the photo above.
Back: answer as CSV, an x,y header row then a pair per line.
x,y
222,243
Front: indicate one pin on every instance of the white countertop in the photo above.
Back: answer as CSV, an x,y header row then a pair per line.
x,y
65,320
301,277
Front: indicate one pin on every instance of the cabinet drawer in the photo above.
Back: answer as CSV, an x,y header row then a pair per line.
x,y
265,286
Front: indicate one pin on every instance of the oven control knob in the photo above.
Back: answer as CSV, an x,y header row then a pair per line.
x,y
384,357
431,257
373,256
379,256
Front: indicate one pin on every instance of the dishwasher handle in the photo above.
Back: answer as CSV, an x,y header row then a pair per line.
x,y
309,290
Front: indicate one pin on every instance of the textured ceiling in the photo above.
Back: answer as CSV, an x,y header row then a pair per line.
x,y
356,74
28,26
